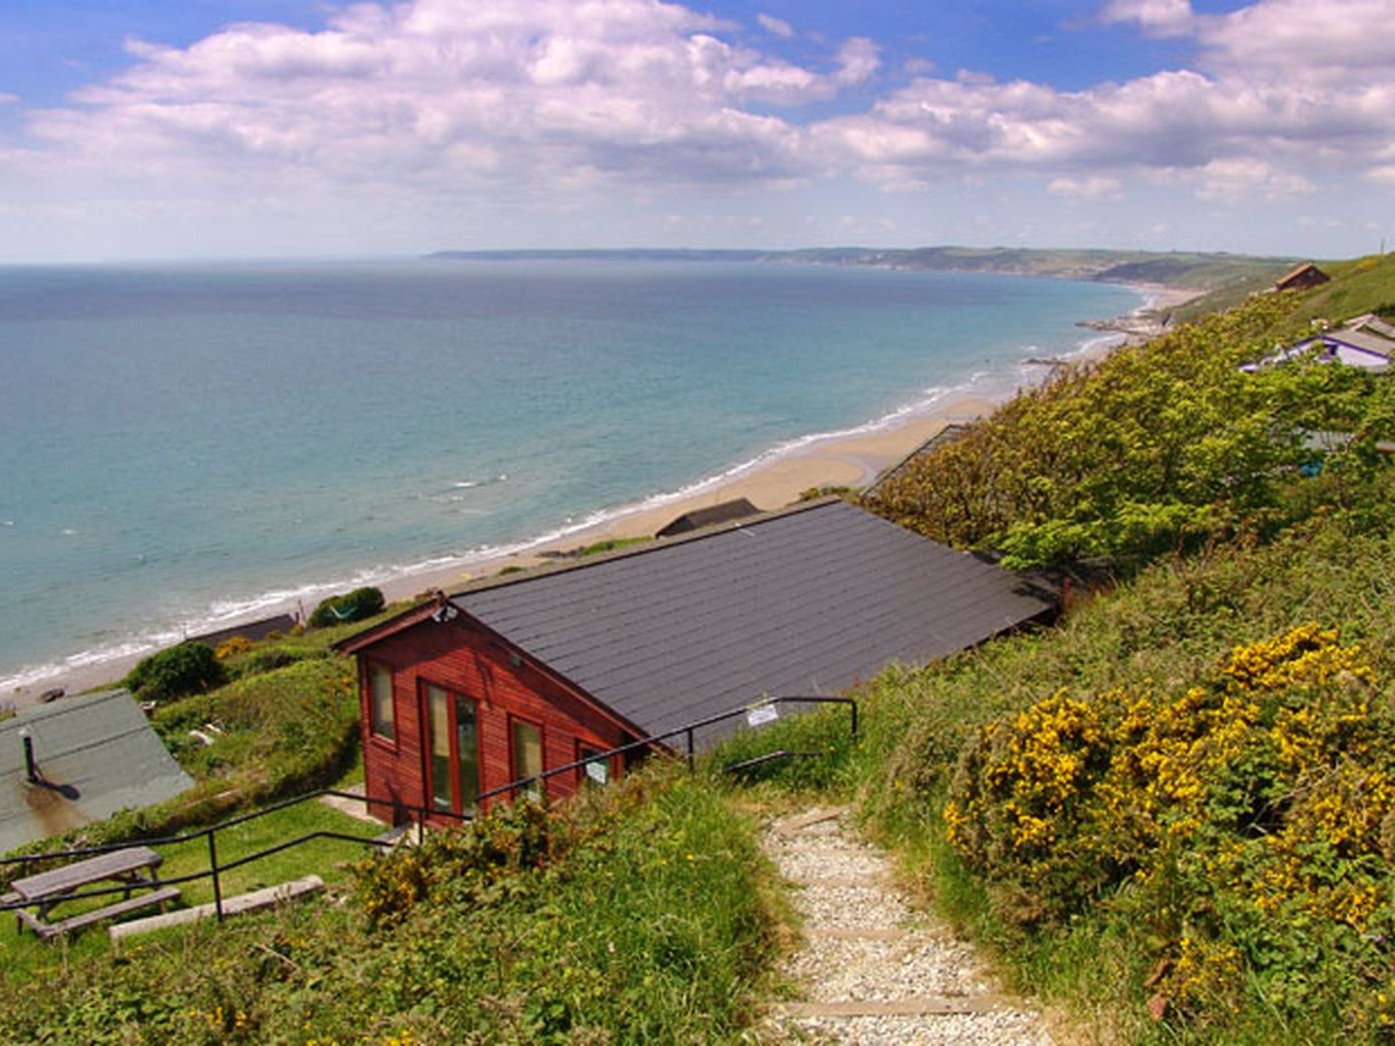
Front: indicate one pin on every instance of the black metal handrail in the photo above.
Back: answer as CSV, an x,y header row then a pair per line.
x,y
216,868
689,731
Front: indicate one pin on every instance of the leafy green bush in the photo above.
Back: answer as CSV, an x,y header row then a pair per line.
x,y
1150,451
183,670
357,605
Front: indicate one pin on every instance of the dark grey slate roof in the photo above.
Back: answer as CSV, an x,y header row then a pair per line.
x,y
1365,341
98,755
806,601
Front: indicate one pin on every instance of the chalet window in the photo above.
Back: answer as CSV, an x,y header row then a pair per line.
x,y
527,756
453,725
381,720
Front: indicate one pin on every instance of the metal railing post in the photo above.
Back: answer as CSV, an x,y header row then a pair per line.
x,y
691,761
217,880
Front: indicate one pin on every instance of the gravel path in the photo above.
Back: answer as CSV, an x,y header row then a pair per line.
x,y
875,972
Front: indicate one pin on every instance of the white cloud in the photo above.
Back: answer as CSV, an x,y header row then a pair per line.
x,y
1156,17
1092,187
432,91
1284,41
1242,179
775,26
858,59
444,107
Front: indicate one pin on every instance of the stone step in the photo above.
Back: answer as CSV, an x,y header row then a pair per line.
x,y
242,904
919,1006
872,933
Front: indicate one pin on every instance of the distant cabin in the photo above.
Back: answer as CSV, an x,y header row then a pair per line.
x,y
722,512
1304,276
527,672
86,758
1367,342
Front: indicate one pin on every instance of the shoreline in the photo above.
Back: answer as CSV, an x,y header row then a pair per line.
x,y
775,478
771,481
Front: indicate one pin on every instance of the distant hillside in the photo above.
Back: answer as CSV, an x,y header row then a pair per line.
x,y
1204,272
615,254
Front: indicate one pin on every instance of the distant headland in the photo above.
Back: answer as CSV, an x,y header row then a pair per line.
x,y
1188,269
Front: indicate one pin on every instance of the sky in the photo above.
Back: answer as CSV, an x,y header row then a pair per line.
x,y
208,129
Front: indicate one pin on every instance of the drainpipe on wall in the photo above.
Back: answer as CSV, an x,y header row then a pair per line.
x,y
31,771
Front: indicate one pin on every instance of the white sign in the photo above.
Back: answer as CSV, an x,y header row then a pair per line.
x,y
762,714
598,771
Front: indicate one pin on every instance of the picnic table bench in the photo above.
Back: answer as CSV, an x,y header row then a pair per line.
x,y
133,867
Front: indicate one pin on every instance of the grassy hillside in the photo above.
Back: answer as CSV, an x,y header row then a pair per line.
x,y
1174,814
642,914
1189,270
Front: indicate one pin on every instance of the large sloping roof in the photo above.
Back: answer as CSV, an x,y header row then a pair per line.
x,y
96,754
802,602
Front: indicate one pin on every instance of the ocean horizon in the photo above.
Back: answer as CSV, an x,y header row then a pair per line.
x,y
188,447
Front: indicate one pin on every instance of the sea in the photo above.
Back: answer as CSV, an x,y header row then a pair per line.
x,y
186,447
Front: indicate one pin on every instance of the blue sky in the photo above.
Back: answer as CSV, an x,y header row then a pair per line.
x,y
134,129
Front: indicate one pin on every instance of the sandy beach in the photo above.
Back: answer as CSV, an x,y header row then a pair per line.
x,y
853,459
850,461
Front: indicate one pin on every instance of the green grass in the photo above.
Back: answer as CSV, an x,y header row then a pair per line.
x,y
323,857
642,913
28,958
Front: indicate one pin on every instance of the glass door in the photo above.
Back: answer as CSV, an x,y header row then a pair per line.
x,y
453,746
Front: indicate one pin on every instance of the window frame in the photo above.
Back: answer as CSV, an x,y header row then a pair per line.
x,y
539,787
375,722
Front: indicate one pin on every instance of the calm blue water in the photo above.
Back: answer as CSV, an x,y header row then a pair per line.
x,y
182,446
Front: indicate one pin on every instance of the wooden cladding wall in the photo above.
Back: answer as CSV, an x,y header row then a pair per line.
x,y
465,658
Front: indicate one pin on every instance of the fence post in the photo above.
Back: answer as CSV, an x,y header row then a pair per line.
x,y
690,749
213,866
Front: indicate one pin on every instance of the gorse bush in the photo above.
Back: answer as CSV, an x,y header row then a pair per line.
x,y
1245,822
466,863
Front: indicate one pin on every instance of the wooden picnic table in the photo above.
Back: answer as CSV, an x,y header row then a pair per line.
x,y
134,867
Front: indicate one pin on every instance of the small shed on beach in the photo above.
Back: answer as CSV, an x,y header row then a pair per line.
x,y
696,519
79,760
511,677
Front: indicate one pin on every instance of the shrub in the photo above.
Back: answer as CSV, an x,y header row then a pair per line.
x,y
189,668
352,606
1242,824
233,646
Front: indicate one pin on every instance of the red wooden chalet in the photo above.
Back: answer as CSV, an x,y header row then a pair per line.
x,y
525,673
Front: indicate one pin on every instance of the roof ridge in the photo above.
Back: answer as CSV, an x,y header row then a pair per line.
x,y
654,544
